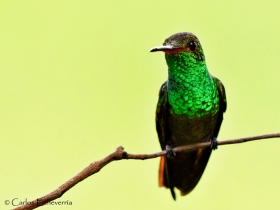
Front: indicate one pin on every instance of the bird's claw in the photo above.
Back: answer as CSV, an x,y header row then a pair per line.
x,y
170,152
214,143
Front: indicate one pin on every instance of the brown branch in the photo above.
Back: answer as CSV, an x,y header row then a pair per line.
x,y
120,154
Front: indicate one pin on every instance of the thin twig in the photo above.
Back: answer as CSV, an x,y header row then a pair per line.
x,y
120,154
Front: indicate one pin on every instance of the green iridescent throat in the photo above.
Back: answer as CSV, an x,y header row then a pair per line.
x,y
191,89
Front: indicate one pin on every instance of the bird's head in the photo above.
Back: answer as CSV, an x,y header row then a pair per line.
x,y
184,43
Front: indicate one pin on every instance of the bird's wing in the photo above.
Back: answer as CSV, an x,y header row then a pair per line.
x,y
161,115
222,104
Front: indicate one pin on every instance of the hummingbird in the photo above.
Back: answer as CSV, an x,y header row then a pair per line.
x,y
190,110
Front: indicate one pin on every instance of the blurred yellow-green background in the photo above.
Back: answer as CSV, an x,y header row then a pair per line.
x,y
77,80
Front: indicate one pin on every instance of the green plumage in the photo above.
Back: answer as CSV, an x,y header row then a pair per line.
x,y
189,110
191,89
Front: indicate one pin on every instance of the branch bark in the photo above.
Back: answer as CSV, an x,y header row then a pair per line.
x,y
120,154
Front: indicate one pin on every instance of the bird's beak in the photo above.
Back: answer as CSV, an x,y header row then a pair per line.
x,y
163,48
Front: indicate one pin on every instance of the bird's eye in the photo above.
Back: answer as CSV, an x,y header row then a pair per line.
x,y
192,46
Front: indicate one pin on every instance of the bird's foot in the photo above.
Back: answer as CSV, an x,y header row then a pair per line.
x,y
170,152
214,143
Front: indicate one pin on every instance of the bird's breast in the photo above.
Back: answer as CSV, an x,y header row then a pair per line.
x,y
195,99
